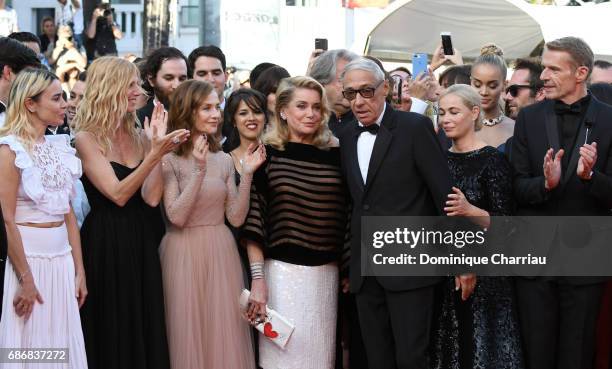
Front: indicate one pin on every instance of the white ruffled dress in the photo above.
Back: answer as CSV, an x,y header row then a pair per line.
x,y
48,176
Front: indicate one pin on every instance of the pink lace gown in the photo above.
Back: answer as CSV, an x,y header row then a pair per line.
x,y
200,264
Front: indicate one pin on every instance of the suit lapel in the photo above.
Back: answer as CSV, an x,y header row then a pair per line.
x,y
580,139
381,145
354,171
552,128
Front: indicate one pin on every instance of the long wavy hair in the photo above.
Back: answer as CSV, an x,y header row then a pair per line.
x,y
278,135
29,84
185,102
105,100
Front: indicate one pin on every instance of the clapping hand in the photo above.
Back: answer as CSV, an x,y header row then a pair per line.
x,y
253,158
588,157
200,150
552,169
159,122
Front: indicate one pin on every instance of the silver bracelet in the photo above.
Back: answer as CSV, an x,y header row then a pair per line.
x,y
20,279
257,270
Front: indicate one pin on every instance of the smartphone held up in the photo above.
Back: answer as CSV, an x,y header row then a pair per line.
x,y
447,44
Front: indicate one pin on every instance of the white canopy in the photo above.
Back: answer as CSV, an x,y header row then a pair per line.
x,y
411,26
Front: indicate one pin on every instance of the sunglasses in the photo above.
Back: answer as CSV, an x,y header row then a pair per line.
x,y
366,93
514,89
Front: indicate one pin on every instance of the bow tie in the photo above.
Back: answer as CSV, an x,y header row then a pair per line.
x,y
372,128
563,109
2,108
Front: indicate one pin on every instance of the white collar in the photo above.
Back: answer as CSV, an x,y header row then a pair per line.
x,y
380,117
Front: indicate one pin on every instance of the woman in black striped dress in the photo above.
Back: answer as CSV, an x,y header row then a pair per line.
x,y
296,227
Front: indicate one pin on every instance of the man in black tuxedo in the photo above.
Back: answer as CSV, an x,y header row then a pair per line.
x,y
562,155
393,165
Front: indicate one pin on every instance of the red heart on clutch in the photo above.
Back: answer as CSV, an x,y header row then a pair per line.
x,y
268,332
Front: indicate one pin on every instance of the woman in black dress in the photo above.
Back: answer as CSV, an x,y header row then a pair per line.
x,y
479,331
123,319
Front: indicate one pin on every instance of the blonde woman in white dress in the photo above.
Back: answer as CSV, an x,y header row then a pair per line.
x,y
44,283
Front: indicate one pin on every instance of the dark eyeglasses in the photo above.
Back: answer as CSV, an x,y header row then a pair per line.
x,y
514,89
366,93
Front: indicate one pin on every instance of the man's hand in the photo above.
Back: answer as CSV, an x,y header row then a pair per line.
x,y
588,157
552,169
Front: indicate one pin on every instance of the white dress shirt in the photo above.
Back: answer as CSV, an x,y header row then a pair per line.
x,y
365,145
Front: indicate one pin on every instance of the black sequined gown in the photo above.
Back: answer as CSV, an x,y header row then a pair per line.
x,y
482,332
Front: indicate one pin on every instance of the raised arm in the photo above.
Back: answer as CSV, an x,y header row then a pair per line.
x,y
237,204
179,204
100,172
153,187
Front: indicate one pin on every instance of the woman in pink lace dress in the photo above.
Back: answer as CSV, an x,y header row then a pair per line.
x,y
200,264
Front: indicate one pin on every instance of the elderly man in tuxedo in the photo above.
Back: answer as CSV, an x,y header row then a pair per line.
x,y
562,155
393,166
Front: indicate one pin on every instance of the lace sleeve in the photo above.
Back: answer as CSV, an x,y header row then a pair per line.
x,y
179,204
499,186
237,203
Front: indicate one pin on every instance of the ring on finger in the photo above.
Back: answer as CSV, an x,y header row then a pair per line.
x,y
176,140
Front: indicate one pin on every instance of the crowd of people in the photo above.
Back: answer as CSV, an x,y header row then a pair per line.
x,y
140,197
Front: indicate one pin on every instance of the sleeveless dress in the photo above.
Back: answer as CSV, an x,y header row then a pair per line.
x,y
201,267
48,175
123,318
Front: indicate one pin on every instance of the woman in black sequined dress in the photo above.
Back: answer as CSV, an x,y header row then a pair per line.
x,y
479,331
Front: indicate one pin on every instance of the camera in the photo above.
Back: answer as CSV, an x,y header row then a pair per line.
x,y
106,9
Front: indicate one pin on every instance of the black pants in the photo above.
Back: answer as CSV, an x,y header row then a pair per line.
x,y
558,322
350,331
396,326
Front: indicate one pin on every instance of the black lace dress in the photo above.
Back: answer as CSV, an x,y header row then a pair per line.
x,y
483,331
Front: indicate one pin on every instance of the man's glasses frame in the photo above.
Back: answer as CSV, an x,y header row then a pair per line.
x,y
513,90
366,93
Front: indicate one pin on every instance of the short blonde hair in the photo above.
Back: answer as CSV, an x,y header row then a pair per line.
x,y
278,135
29,84
105,100
469,97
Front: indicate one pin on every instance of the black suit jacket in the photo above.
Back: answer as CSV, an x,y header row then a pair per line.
x,y
536,131
145,112
408,175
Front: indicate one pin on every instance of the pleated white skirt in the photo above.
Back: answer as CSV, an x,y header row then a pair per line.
x,y
56,323
308,297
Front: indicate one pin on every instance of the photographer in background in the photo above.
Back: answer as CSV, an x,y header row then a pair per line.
x,y
70,13
104,31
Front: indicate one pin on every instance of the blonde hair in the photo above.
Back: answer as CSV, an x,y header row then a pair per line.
x,y
278,135
469,97
105,100
29,84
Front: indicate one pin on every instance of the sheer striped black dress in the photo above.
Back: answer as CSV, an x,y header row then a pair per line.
x,y
298,214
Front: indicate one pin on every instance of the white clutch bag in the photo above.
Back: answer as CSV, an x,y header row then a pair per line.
x,y
275,327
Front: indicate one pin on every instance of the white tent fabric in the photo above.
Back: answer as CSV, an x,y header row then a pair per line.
x,y
411,26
